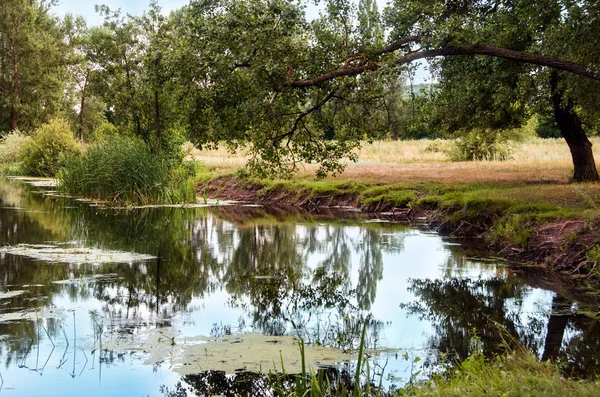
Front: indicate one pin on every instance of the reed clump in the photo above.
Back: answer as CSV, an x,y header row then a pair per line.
x,y
125,169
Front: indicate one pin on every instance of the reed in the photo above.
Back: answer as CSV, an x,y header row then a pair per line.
x,y
125,170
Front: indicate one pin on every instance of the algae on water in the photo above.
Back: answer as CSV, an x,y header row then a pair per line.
x,y
248,352
73,255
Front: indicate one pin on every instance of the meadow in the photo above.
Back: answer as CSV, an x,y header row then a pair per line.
x,y
389,161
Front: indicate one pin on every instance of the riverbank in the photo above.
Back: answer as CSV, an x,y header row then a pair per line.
x,y
526,208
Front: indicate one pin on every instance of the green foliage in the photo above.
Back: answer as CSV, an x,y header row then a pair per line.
x,y
34,53
105,130
47,148
10,147
518,374
395,198
546,127
512,229
125,170
485,144
593,255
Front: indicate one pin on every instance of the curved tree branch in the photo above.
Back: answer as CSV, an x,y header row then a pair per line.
x,y
518,56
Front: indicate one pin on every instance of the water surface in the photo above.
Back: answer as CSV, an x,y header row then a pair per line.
x,y
119,302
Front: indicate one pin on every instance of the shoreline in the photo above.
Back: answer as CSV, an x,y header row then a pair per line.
x,y
553,238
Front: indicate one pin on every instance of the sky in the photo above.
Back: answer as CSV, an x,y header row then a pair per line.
x,y
85,8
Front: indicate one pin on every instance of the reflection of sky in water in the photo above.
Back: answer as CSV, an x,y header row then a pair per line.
x,y
382,260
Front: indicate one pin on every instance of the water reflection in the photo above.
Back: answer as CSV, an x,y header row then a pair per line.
x,y
237,269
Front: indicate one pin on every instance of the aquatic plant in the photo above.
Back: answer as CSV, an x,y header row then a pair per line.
x,y
124,169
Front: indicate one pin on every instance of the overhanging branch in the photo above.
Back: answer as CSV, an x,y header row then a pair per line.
x,y
517,56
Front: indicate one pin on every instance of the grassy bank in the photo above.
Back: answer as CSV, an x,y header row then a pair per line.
x,y
525,208
518,374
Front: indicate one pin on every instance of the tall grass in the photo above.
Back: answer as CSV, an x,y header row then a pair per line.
x,y
518,373
124,169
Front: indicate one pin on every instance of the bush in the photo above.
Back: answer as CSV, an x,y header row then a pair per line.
x,y
124,169
10,147
488,144
43,153
478,145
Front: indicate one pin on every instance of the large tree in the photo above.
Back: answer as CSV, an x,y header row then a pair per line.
x,y
491,91
33,59
271,75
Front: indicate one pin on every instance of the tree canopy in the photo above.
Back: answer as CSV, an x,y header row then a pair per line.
x,y
258,75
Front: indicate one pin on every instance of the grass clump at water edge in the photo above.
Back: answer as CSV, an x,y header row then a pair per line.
x,y
517,373
126,170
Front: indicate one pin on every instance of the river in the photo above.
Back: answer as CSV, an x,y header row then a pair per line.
x,y
170,301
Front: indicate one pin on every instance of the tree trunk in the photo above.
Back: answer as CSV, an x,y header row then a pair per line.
x,y
82,107
16,92
584,166
555,332
157,121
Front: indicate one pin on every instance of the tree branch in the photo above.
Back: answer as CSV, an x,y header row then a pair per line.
x,y
279,138
518,56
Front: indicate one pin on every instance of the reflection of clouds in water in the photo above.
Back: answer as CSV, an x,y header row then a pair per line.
x,y
263,274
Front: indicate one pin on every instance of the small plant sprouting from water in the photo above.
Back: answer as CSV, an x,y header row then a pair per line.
x,y
309,383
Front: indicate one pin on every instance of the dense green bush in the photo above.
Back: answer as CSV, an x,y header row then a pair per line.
x,y
124,169
47,147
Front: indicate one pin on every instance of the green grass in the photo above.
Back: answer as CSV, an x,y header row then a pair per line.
x,y
125,170
516,374
507,212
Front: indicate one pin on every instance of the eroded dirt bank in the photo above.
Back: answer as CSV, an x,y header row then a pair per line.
x,y
562,244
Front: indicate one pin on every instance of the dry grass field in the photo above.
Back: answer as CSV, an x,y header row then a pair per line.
x,y
535,161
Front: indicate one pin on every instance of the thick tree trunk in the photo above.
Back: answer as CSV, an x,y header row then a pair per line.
x,y
584,166
555,332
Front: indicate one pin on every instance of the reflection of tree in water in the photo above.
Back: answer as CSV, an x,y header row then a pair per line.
x,y
269,265
460,307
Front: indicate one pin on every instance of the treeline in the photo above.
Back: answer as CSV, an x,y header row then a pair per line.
x,y
258,74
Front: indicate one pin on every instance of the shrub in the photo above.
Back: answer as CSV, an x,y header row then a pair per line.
x,y
486,144
10,147
124,169
43,153
512,229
